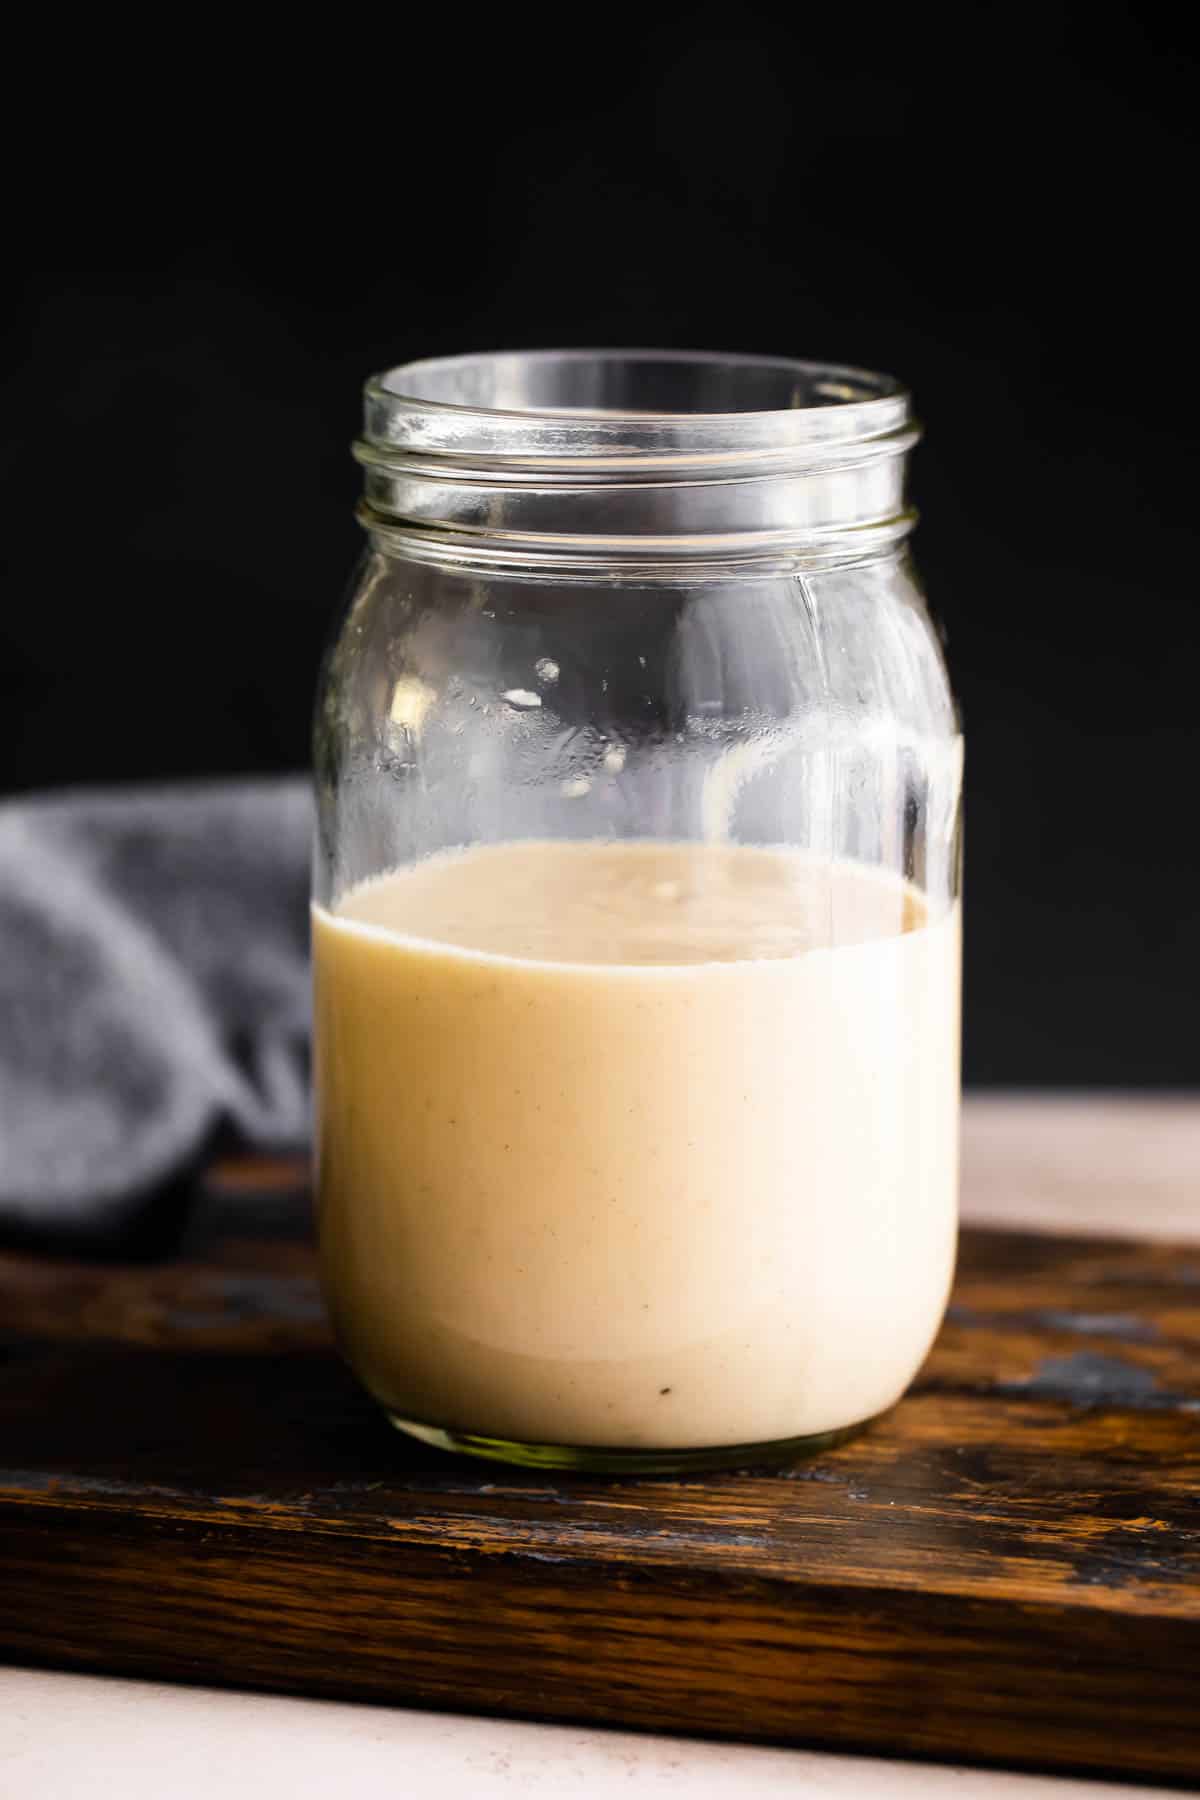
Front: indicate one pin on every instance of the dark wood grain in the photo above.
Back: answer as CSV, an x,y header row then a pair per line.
x,y
1005,1569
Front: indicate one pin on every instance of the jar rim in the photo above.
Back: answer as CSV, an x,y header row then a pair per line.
x,y
579,453
636,402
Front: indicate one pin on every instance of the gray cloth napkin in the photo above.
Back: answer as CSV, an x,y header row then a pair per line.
x,y
153,990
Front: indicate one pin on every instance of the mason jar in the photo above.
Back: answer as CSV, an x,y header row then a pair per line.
x,y
636,919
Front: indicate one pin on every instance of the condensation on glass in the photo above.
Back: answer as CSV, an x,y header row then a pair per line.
x,y
642,599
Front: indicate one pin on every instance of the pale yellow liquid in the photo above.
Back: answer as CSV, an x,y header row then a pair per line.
x,y
636,1145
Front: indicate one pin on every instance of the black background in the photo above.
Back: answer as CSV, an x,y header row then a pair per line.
x,y
216,239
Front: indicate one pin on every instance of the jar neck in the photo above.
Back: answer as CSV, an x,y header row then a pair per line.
x,y
603,458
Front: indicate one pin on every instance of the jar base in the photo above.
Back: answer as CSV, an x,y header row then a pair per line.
x,y
611,1460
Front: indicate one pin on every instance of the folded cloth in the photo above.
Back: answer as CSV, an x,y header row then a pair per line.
x,y
153,990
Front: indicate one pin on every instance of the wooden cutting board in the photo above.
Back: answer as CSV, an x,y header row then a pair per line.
x,y
1005,1569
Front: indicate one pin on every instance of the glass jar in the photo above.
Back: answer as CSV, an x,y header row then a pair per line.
x,y
636,912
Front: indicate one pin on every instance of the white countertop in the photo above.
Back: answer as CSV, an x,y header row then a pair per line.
x,y
1099,1164
84,1737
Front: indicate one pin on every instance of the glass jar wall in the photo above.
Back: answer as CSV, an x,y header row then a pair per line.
x,y
636,919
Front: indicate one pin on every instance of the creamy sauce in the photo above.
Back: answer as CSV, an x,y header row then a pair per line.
x,y
636,1145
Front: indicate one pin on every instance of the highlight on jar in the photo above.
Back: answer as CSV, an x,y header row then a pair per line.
x,y
636,912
